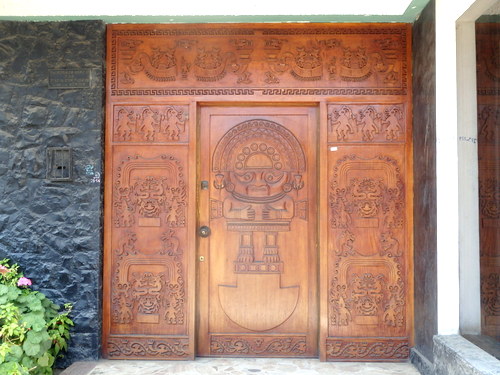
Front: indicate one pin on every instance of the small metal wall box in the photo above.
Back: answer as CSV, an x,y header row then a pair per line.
x,y
59,164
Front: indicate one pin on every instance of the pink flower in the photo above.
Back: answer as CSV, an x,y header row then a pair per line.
x,y
3,270
23,281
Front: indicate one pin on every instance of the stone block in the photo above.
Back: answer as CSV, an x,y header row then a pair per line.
x,y
455,355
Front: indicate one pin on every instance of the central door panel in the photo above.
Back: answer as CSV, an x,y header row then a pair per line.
x,y
258,266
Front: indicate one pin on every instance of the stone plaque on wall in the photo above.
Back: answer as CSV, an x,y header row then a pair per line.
x,y
69,78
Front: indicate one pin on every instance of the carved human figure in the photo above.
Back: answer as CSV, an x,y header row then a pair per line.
x,y
258,187
258,173
370,123
344,315
343,123
124,125
487,119
391,312
148,124
171,124
393,124
258,192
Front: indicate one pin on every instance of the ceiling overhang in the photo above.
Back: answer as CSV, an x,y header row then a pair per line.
x,y
202,11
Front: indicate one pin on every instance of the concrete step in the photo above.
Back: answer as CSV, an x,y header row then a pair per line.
x,y
238,366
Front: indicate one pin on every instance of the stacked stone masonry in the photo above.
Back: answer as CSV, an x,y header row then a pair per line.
x,y
53,229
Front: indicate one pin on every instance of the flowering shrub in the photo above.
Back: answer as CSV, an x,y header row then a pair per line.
x,y
33,332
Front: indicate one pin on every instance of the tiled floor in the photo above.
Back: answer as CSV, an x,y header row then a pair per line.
x,y
238,366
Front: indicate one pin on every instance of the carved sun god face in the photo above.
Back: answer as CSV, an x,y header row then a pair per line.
x,y
258,172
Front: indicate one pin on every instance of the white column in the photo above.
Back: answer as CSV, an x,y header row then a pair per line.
x,y
447,171
470,303
456,159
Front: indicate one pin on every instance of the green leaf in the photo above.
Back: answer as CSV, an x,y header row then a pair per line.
x,y
28,362
31,349
57,349
3,289
4,350
34,304
46,343
44,360
12,293
13,368
15,354
34,320
32,330
35,337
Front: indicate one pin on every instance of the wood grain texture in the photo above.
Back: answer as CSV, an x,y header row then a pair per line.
x,y
302,133
488,111
149,214
166,60
261,210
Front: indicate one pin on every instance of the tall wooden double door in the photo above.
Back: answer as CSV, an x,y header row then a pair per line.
x,y
258,192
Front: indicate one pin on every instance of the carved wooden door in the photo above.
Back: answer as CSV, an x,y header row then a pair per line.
x,y
147,313
280,182
369,238
488,110
258,266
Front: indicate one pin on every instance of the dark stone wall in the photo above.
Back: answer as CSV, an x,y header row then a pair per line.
x,y
53,229
424,146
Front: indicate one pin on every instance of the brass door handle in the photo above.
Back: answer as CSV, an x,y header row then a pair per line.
x,y
204,231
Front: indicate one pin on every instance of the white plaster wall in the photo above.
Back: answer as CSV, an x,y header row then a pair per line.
x,y
199,7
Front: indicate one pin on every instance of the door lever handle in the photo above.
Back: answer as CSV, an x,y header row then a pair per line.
x,y
204,231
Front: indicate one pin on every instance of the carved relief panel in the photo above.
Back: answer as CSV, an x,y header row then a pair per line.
x,y
259,206
362,123
247,60
149,123
489,216
259,169
149,200
488,139
488,60
367,253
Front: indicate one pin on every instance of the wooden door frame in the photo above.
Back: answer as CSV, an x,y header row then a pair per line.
x,y
322,97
